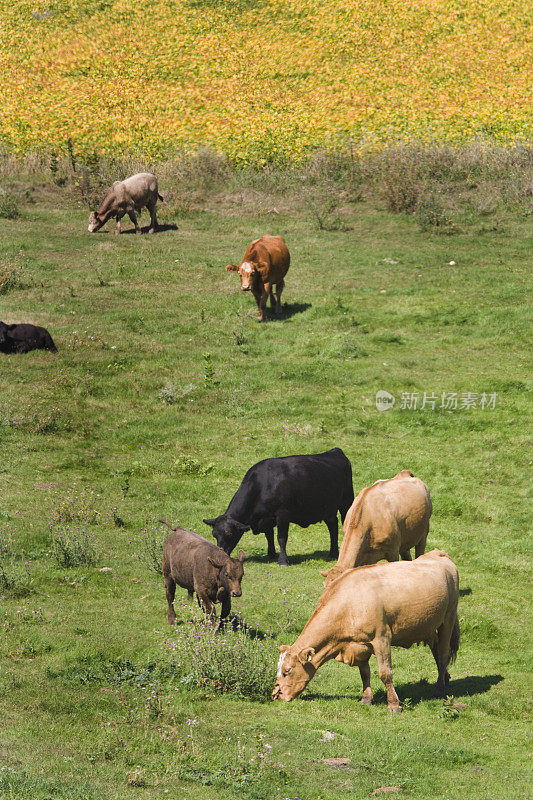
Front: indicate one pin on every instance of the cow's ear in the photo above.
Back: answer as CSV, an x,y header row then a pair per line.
x,y
232,268
211,522
242,556
243,527
283,648
306,654
217,560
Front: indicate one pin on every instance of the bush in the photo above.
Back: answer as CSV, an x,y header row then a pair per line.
x,y
9,205
15,579
236,661
152,550
12,274
72,546
431,215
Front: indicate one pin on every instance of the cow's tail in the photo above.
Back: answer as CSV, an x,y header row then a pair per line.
x,y
164,522
455,640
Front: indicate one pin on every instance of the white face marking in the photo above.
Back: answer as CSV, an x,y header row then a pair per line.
x,y
246,267
280,663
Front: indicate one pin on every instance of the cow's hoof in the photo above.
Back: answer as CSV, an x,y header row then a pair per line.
x,y
395,709
439,693
333,556
261,319
366,701
282,562
172,620
272,556
152,230
138,233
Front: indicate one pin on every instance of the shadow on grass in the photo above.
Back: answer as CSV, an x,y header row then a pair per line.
x,y
421,691
298,558
167,226
288,311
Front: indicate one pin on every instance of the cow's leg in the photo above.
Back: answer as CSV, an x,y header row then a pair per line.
x,y
333,528
381,648
263,302
190,594
132,215
420,548
153,218
207,607
283,533
118,218
367,697
406,555
279,289
225,610
435,650
271,552
271,296
442,655
170,590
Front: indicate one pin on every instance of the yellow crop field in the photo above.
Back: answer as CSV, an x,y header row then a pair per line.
x,y
264,79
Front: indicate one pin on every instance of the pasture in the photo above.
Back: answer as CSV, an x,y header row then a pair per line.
x,y
164,391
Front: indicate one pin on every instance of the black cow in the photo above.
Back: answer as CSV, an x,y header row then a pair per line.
x,y
277,491
22,338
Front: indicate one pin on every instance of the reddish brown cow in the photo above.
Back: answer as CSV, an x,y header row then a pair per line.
x,y
265,264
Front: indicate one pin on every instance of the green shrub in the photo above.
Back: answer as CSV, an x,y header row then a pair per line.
x,y
236,661
12,274
72,546
9,205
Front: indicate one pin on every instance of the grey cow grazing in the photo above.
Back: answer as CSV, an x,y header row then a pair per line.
x,y
128,197
193,563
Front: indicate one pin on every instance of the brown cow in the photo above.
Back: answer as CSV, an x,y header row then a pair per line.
x,y
385,520
128,197
265,264
367,610
193,563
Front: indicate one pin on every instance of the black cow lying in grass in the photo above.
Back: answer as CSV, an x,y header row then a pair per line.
x,y
193,563
277,491
23,338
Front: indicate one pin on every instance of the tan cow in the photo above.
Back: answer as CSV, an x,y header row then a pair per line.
x,y
385,520
367,610
265,264
128,197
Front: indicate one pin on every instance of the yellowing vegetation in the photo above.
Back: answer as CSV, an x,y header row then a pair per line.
x,y
260,80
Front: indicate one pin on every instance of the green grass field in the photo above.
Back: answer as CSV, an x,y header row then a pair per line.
x,y
87,708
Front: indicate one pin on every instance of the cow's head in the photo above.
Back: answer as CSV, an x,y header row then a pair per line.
x,y
3,333
248,273
227,531
231,572
295,670
95,222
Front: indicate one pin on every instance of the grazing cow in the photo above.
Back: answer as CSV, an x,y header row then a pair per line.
x,y
277,491
23,338
193,563
265,264
128,197
386,520
367,610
